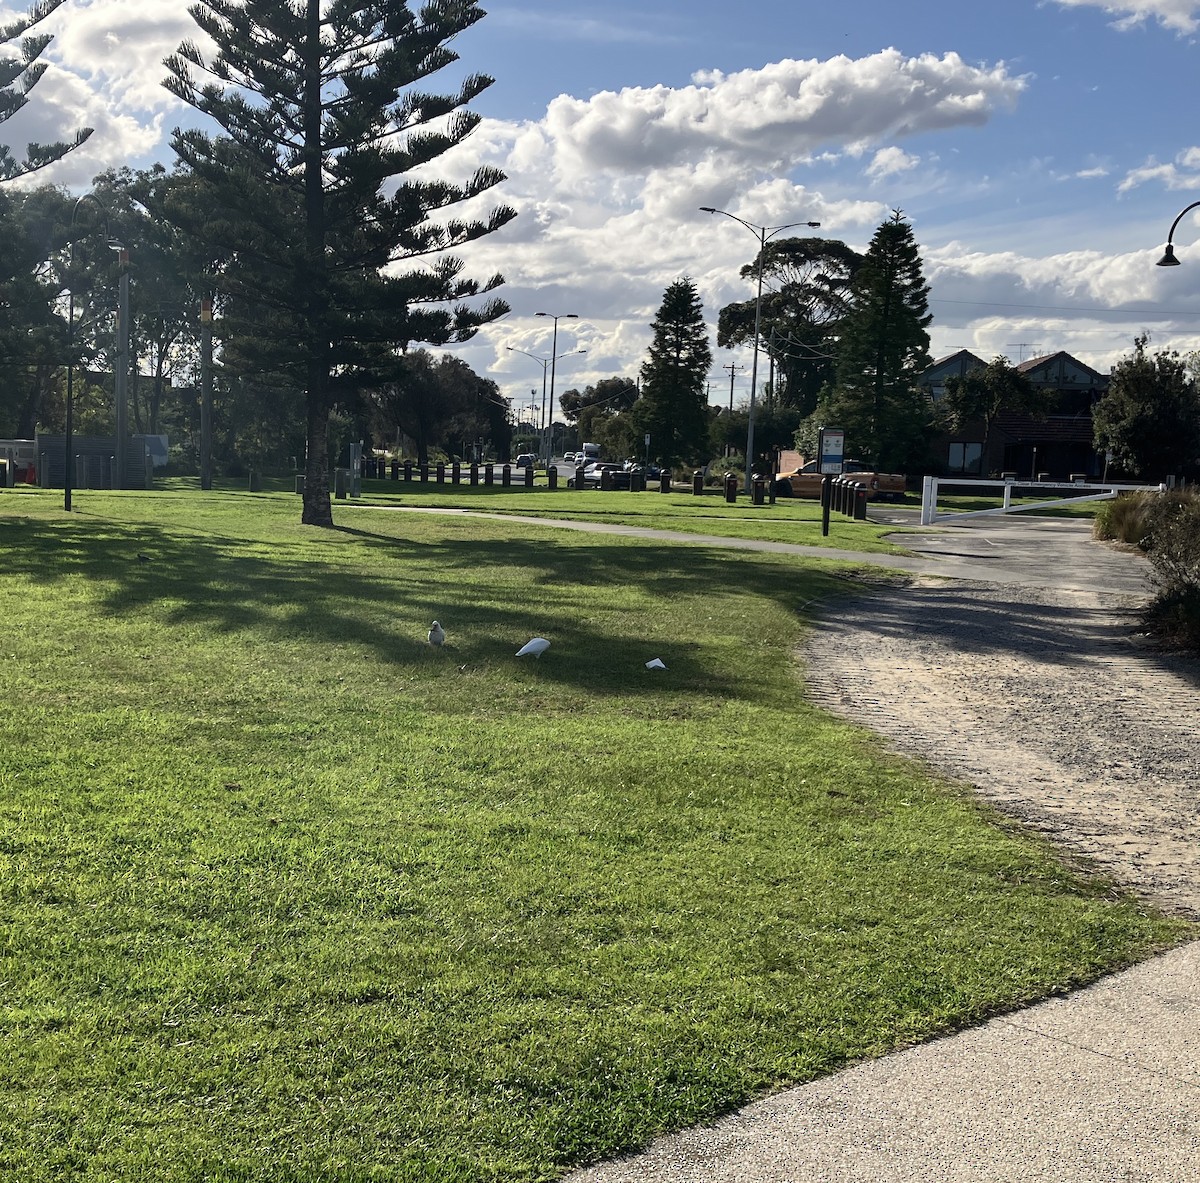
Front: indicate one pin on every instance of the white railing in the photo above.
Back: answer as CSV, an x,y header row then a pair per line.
x,y
1088,491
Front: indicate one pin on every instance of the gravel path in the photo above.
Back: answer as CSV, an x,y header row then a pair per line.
x,y
1046,702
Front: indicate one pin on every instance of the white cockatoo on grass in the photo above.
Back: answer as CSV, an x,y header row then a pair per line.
x,y
437,635
537,647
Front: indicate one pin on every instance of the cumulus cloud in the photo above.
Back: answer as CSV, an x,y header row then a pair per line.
x,y
1089,303
1181,173
62,102
1180,15
608,189
888,162
119,48
777,116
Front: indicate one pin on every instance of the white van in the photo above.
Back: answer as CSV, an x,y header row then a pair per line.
x,y
588,454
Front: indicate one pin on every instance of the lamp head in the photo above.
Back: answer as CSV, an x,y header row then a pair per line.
x,y
1168,259
708,209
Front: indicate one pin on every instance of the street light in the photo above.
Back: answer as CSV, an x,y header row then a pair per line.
x,y
70,426
1168,259
553,359
765,234
544,362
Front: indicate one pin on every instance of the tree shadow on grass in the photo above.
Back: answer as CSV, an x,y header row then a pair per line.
x,y
377,592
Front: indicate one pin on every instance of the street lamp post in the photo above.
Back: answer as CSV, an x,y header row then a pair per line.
x,y
1168,259
764,234
70,424
553,359
547,364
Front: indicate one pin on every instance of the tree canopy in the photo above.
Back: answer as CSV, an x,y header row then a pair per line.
x,y
673,408
983,393
318,200
806,285
883,350
19,73
1149,418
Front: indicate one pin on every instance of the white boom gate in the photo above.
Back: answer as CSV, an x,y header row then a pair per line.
x,y
1102,491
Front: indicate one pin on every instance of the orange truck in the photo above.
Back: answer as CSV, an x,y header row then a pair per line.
x,y
805,481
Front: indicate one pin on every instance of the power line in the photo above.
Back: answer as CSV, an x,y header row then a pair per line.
x,y
1130,312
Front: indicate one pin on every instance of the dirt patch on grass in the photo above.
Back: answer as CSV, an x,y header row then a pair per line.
x,y
1046,701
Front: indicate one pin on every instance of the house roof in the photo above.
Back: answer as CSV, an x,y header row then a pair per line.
x,y
1061,369
953,365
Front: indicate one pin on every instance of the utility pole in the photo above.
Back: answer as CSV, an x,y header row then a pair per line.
x,y
733,368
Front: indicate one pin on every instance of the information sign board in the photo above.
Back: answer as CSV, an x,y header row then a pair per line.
x,y
831,442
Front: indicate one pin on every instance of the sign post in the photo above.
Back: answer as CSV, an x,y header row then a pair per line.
x,y
831,442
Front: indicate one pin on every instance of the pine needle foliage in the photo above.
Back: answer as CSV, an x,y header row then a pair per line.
x,y
19,73
331,240
884,349
673,407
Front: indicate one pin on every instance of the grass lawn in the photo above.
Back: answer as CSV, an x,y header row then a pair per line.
x,y
793,520
290,897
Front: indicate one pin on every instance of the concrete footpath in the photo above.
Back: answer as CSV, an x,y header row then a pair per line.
x,y
1101,1086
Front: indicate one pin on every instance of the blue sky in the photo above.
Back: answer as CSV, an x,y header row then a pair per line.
x,y
1041,149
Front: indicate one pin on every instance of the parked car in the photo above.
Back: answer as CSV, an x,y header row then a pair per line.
x,y
806,481
592,476
650,471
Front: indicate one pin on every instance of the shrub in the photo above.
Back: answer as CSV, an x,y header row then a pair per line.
x,y
1125,518
1172,543
1173,539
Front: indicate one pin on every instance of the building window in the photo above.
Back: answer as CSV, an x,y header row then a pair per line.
x,y
965,458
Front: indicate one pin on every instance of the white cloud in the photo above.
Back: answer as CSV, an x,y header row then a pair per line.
x,y
1182,173
59,105
888,162
1181,15
571,27
1089,303
777,116
119,48
608,190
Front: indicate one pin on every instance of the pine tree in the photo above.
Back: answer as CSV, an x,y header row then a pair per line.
x,y
884,348
308,203
18,75
673,407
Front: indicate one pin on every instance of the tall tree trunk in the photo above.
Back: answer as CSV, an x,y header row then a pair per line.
x,y
317,508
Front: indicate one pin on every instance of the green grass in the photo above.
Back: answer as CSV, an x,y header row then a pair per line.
x,y
289,896
791,520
